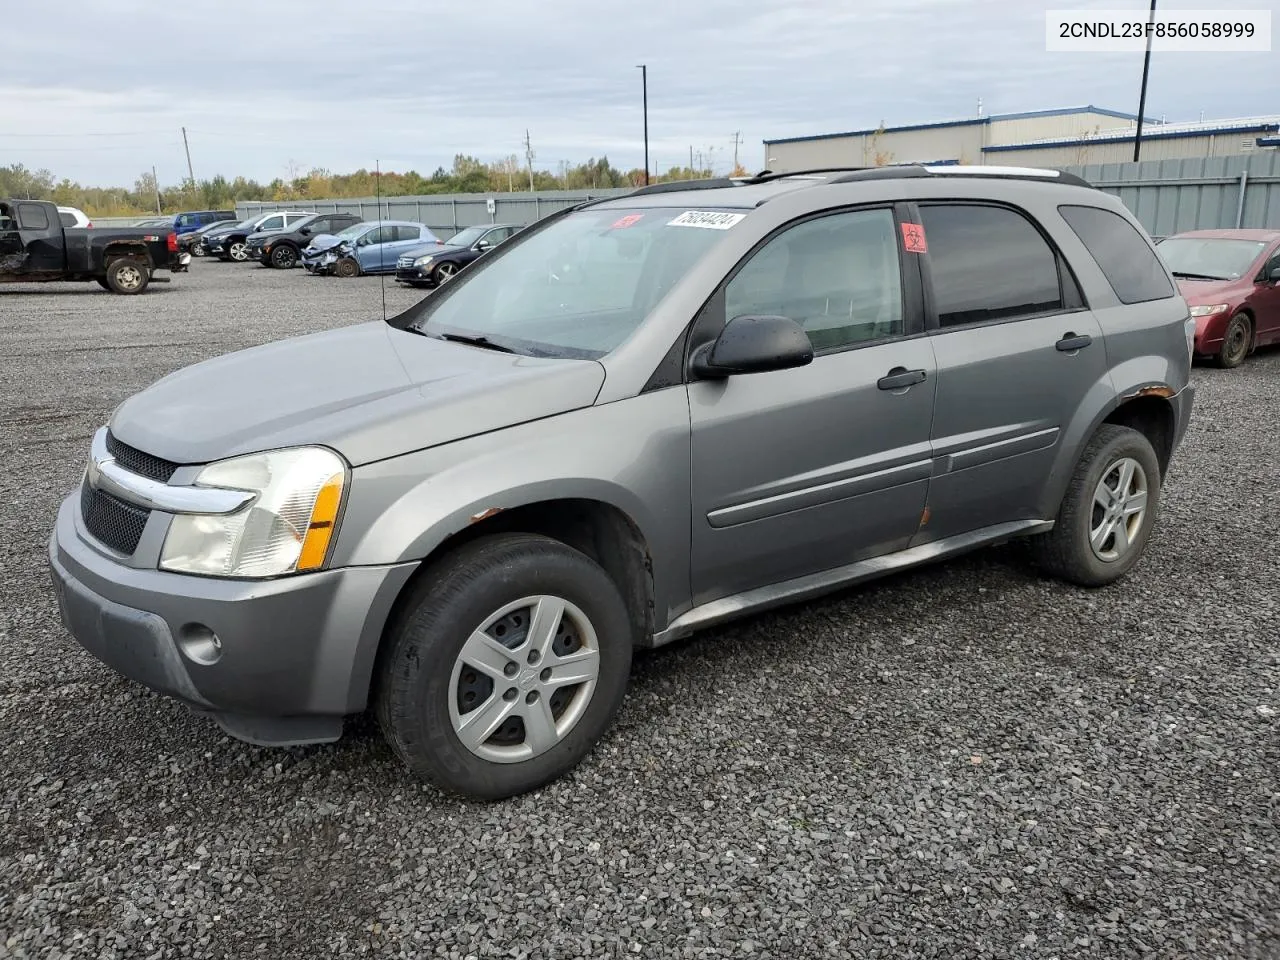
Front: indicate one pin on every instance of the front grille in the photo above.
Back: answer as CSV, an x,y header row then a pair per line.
x,y
117,524
136,461
404,263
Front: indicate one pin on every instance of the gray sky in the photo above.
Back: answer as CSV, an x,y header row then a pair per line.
x,y
98,91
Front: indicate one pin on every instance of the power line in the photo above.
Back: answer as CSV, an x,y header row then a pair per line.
x,y
117,133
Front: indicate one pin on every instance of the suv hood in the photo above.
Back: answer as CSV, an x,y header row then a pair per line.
x,y
369,391
263,234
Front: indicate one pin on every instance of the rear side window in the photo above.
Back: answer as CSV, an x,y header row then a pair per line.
x,y
988,263
1125,259
31,216
68,219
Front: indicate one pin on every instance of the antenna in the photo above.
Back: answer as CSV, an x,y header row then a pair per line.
x,y
382,247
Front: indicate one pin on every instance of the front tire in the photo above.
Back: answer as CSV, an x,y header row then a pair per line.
x,y
1106,517
346,268
1235,342
238,251
444,272
507,665
283,257
127,276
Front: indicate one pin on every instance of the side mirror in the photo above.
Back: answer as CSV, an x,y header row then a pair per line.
x,y
1274,275
754,344
304,231
483,245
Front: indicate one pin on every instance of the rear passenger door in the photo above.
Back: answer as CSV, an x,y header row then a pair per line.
x,y
1017,352
803,470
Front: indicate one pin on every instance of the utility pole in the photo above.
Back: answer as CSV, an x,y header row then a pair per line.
x,y
644,86
691,167
737,140
1142,97
528,157
155,183
191,174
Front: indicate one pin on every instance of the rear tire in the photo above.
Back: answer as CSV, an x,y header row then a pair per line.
x,y
197,250
510,627
127,276
1235,342
1109,510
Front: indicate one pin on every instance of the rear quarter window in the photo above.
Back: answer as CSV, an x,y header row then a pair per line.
x,y
32,216
68,220
1124,257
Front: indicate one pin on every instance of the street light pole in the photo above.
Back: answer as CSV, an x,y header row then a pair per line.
x,y
644,86
1142,97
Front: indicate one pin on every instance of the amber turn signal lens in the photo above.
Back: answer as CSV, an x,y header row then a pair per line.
x,y
324,517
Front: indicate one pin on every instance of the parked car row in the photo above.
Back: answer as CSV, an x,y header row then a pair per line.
x,y
344,245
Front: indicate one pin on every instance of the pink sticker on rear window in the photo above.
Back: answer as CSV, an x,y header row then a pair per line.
x,y
627,221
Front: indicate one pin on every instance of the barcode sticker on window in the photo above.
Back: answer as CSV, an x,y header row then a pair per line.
x,y
706,219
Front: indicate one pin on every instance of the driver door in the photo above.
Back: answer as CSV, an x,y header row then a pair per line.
x,y
802,470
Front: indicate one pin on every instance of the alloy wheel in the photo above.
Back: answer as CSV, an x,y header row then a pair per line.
x,y
1119,509
524,679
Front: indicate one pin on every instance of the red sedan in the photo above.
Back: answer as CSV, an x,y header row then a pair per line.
x,y
1231,280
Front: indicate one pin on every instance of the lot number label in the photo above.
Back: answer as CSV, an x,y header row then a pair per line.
x,y
706,219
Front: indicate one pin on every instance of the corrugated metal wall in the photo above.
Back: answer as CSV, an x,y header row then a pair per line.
x,y
1168,196
445,214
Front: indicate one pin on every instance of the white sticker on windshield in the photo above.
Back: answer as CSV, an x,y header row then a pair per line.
x,y
706,219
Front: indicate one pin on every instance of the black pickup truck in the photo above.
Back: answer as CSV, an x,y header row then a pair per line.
x,y
35,246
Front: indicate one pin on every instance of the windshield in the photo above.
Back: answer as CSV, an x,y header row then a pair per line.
x,y
465,238
1208,257
352,231
577,287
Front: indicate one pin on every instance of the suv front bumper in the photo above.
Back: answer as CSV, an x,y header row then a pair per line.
x,y
296,653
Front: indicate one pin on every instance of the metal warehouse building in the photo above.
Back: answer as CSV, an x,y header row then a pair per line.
x,y
1071,136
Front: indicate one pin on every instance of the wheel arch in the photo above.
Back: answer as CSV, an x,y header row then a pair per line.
x,y
1147,407
598,528
132,249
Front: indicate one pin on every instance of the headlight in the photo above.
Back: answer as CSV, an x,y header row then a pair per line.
x,y
286,528
422,261
1209,311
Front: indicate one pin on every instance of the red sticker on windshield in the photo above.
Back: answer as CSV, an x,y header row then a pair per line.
x,y
913,238
627,221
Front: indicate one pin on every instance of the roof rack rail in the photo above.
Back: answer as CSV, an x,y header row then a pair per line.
x,y
675,186
1042,174
764,176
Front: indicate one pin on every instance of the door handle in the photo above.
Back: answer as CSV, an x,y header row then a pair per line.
x,y
1071,341
900,377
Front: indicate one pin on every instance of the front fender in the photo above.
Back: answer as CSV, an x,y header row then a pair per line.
x,y
632,455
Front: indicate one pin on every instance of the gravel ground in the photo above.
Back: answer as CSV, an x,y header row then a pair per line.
x,y
963,761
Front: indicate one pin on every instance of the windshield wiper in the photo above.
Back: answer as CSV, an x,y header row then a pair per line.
x,y
476,340
1196,276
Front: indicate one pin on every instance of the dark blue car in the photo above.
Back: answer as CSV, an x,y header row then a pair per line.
x,y
195,219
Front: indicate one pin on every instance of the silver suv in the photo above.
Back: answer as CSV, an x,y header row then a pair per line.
x,y
637,418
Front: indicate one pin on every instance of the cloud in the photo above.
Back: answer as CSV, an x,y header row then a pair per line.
x,y
340,84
